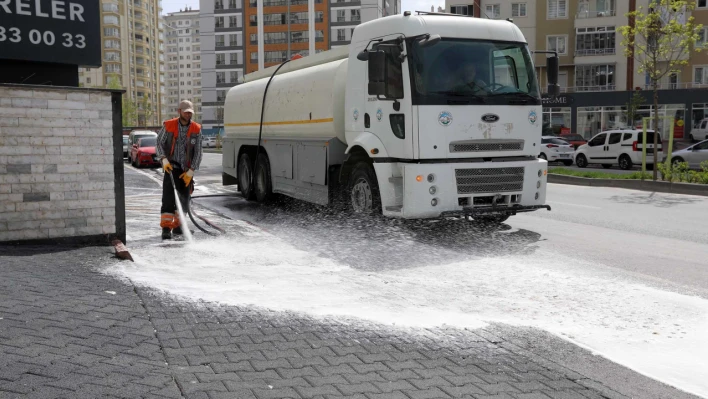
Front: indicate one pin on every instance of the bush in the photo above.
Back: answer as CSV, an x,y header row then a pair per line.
x,y
680,173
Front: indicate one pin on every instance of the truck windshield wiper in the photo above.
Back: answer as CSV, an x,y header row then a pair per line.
x,y
459,94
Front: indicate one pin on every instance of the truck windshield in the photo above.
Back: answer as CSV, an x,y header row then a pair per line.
x,y
483,72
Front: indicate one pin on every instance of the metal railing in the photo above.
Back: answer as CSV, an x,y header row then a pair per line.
x,y
595,14
595,51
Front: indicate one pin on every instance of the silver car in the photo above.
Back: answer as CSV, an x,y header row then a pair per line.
x,y
694,155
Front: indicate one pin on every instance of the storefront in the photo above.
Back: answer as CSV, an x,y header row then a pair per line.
x,y
590,113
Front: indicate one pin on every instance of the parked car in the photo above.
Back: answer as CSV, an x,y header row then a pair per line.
x,y
209,142
574,139
693,155
554,149
133,138
144,153
700,131
126,146
617,147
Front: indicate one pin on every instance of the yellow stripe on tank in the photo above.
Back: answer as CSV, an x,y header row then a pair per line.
x,y
303,122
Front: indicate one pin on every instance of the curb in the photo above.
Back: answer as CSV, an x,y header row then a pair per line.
x,y
642,185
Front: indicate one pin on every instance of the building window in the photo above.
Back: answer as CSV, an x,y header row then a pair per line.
x,y
518,9
594,77
557,43
220,95
233,21
595,9
254,57
592,41
700,75
221,59
111,32
221,77
493,11
233,58
275,56
233,41
219,5
299,18
702,37
356,15
462,9
341,35
220,41
702,4
233,76
341,15
110,19
219,22
232,4
557,9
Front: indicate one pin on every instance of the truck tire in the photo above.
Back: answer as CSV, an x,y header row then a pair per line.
x,y
625,162
363,191
245,176
263,184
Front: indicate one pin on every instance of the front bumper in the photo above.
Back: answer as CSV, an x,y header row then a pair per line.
x,y
461,188
498,210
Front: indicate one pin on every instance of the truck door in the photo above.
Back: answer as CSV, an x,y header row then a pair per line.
x,y
391,121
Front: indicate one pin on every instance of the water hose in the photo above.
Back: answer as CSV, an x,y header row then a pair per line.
x,y
187,205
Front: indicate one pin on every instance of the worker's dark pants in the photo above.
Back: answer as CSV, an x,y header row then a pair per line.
x,y
170,216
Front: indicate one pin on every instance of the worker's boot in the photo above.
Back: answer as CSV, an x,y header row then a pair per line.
x,y
166,233
177,230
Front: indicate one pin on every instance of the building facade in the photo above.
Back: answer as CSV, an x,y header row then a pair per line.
x,y
133,56
183,60
593,61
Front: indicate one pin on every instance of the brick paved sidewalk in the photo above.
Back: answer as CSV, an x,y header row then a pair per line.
x,y
67,331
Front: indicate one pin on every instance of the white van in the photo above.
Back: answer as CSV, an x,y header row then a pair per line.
x,y
617,147
700,131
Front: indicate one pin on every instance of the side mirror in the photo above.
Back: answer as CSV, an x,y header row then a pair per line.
x,y
363,55
431,40
377,73
552,76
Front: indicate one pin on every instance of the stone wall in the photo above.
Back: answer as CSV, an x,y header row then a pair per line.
x,y
57,169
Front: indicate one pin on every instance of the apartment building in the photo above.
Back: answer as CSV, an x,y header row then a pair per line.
x,y
133,55
221,24
596,76
183,59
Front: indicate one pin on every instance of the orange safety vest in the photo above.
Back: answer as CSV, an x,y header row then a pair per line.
x,y
172,126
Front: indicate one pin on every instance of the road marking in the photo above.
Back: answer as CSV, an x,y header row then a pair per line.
x,y
571,204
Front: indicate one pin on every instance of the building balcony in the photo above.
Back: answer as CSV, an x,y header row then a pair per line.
x,y
584,14
595,51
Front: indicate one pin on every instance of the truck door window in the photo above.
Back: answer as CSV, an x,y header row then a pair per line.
x,y
598,140
505,71
394,70
615,138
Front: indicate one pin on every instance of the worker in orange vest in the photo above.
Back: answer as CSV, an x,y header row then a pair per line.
x,y
179,148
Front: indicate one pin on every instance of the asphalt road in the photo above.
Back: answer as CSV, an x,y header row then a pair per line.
x,y
604,268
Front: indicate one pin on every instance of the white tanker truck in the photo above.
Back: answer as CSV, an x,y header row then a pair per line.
x,y
421,116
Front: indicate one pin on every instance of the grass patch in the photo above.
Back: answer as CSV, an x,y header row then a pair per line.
x,y
599,175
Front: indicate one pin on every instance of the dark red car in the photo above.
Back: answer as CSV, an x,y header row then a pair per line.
x,y
573,139
143,153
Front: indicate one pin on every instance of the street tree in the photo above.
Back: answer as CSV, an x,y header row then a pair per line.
x,y
632,113
660,39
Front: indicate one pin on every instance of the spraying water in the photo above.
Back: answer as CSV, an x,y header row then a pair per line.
x,y
182,217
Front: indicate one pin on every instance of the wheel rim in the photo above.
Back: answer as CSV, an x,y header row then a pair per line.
x,y
361,196
623,163
581,161
244,176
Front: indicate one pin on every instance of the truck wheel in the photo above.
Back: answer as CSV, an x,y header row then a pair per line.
x,y
245,176
264,186
364,197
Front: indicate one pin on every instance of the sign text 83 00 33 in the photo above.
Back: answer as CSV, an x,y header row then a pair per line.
x,y
56,31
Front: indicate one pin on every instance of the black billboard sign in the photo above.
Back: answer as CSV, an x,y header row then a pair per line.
x,y
559,101
59,31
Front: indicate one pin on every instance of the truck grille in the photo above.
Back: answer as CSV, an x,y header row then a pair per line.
x,y
486,145
489,180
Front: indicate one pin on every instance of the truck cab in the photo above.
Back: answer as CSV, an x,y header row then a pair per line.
x,y
452,101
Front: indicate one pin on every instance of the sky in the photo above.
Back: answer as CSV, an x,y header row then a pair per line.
x,y
408,5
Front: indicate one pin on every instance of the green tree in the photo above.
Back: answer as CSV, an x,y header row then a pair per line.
x,y
114,83
660,39
632,113
147,111
130,112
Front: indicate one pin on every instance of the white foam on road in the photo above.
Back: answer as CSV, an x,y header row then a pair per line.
x,y
658,333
